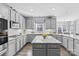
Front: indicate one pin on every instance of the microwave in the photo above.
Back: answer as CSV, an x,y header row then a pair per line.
x,y
3,24
14,25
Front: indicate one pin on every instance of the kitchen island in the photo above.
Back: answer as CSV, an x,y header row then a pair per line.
x,y
45,47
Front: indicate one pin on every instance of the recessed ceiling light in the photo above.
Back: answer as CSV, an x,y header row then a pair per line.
x,y
53,9
31,10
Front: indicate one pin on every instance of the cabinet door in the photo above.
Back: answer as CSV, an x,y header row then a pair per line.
x,y
1,47
12,15
53,52
18,44
39,52
65,41
17,17
4,11
76,23
11,47
24,39
29,38
53,24
30,24
70,44
21,41
59,37
47,23
76,46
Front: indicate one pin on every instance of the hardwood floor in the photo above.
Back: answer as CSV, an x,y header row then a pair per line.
x,y
27,51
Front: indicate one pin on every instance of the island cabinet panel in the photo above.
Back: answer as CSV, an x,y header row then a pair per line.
x,y
46,47
39,52
53,52
50,46
42,49
39,46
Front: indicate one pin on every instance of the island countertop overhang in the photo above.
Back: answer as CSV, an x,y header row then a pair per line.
x,y
49,39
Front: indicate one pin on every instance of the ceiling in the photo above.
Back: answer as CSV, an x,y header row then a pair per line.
x,y
63,11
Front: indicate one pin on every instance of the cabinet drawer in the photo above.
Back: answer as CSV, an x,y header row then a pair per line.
x,y
11,47
39,46
18,44
1,47
53,46
53,52
65,41
39,52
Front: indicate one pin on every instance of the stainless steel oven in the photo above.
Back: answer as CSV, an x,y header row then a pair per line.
x,y
3,32
3,39
3,36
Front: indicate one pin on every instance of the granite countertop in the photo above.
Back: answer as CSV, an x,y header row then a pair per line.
x,y
49,39
71,35
3,36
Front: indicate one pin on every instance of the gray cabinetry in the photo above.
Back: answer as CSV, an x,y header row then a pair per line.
x,y
53,52
59,37
39,52
50,46
39,46
48,49
30,37
39,49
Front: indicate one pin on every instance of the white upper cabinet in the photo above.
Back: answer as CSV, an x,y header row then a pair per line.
x,y
50,22
17,17
12,15
76,23
4,11
47,21
29,23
